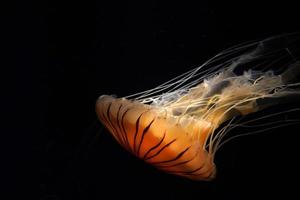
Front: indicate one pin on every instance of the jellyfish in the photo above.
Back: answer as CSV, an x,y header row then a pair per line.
x,y
179,125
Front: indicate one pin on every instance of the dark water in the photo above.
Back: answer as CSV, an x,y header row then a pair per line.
x,y
70,53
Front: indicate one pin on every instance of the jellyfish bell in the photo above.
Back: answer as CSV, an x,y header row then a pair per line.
x,y
165,141
176,126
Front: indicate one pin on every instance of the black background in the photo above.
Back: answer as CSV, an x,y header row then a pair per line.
x,y
69,53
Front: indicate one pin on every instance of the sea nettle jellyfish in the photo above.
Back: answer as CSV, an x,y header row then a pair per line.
x,y
179,125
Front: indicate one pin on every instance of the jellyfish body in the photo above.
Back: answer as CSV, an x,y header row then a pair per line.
x,y
176,126
158,139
